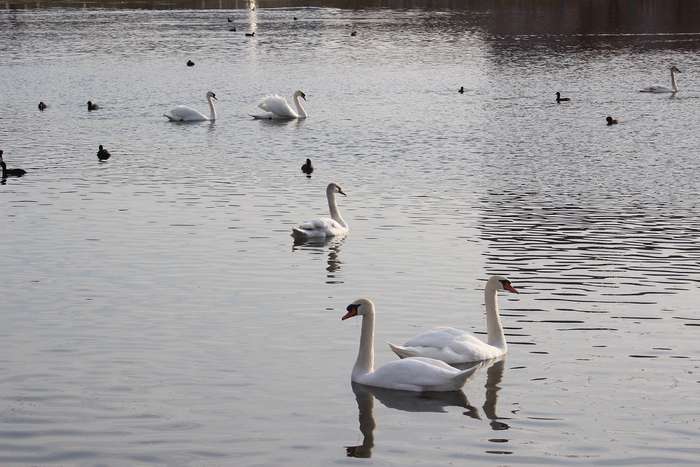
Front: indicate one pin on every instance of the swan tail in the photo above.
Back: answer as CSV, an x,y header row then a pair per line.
x,y
299,233
402,352
169,117
261,116
460,378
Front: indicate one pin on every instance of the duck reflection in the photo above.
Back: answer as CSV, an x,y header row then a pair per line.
x,y
318,247
435,402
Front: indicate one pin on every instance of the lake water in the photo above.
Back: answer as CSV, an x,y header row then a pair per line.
x,y
155,310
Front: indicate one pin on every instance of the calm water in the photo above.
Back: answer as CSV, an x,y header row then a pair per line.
x,y
156,311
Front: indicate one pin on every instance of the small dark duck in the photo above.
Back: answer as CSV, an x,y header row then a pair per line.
x,y
103,154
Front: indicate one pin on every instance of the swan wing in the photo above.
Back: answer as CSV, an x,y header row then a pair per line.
x,y
182,113
322,227
278,106
412,374
448,344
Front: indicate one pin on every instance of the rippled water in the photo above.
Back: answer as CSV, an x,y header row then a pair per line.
x,y
155,309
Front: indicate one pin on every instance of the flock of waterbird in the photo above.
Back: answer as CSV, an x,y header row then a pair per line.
x,y
426,359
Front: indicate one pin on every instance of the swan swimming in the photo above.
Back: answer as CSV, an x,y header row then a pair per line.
x,y
664,89
416,374
324,227
9,172
455,346
277,107
182,113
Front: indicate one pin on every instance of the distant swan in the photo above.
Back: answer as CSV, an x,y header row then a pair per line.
x,y
411,374
324,227
664,89
182,113
561,99
456,346
92,106
103,154
278,107
9,172
307,168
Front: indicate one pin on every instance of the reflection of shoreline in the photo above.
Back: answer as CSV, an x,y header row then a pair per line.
x,y
433,402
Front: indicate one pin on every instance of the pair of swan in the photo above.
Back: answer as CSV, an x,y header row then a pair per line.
x,y
276,107
664,89
424,358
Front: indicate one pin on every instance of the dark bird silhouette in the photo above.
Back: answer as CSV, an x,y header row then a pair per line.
x,y
9,172
461,90
103,154
353,34
250,34
610,120
92,106
229,20
561,99
232,29
190,63
295,18
307,168
42,106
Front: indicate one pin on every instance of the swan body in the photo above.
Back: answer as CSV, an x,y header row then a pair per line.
x,y
103,154
664,89
278,108
5,172
456,346
333,226
416,374
182,113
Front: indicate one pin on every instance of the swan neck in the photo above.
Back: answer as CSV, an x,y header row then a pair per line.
x,y
365,356
4,169
335,214
212,109
493,319
300,108
673,81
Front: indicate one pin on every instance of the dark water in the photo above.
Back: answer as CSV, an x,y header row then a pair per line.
x,y
156,311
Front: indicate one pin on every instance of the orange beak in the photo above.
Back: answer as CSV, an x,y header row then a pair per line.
x,y
510,288
352,311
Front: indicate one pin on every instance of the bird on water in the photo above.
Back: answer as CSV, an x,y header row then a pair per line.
x,y
103,154
42,106
190,63
561,99
307,168
610,120
461,90
92,106
9,172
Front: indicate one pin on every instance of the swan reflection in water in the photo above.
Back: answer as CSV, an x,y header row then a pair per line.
x,y
317,247
433,402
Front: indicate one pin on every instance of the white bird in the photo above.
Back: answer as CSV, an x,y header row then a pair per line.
x,y
456,346
182,113
410,374
278,108
333,226
664,89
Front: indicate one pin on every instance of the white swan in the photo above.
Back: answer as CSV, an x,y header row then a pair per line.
x,y
455,346
333,226
410,374
182,113
664,89
278,108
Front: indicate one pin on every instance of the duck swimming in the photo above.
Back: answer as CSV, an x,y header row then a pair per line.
x,y
461,90
611,121
42,106
9,172
561,99
103,154
190,63
92,106
307,168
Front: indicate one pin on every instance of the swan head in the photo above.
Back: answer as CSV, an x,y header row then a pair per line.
x,y
360,307
300,94
211,95
333,188
501,284
674,69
